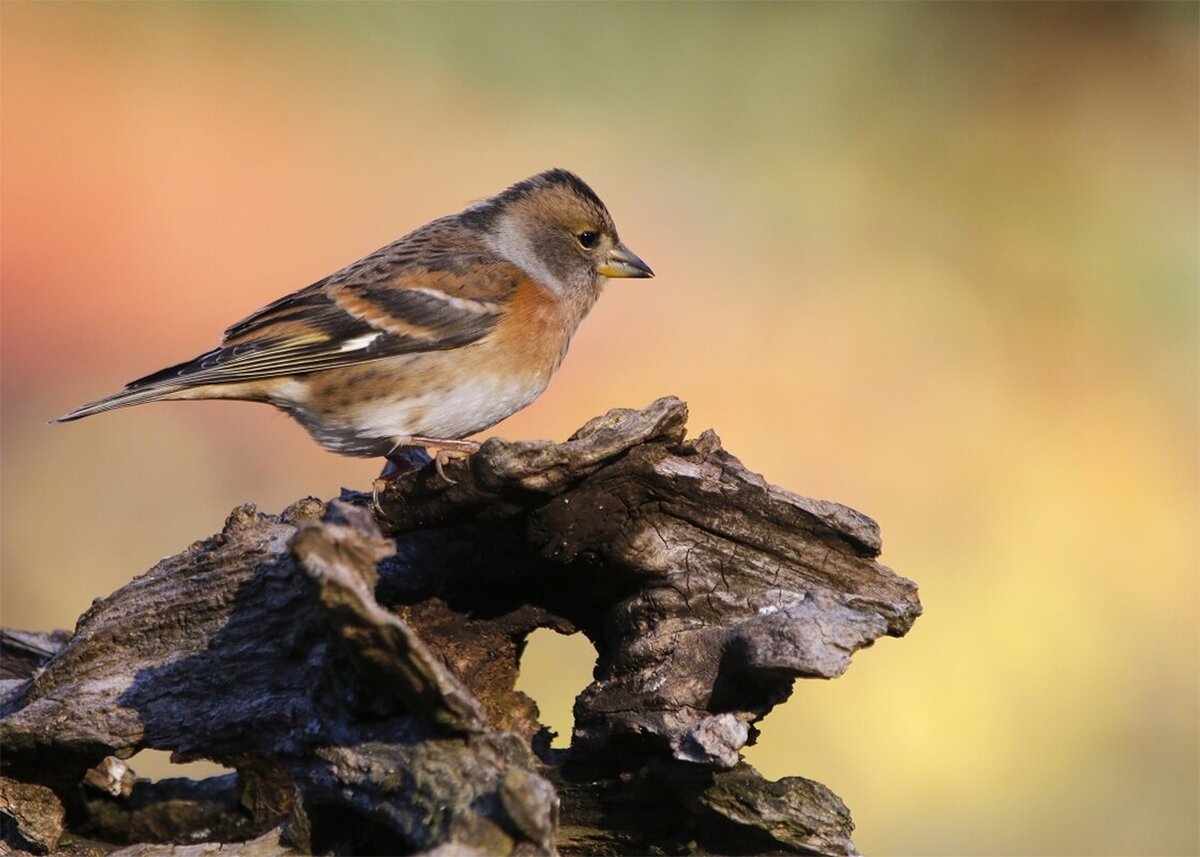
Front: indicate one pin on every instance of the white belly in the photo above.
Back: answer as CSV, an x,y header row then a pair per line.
x,y
455,413
375,427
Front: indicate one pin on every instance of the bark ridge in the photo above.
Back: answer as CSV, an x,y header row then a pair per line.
x,y
356,663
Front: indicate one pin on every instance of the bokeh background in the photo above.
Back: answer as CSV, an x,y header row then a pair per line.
x,y
938,262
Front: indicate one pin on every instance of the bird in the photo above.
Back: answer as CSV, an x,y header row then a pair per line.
x,y
433,338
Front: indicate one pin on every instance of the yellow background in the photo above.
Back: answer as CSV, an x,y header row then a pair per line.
x,y
937,262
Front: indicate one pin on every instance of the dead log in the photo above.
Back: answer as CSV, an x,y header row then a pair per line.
x,y
357,666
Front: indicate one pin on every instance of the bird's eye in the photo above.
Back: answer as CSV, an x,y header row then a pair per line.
x,y
588,239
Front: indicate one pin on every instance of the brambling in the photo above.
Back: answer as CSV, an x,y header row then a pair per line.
x,y
439,335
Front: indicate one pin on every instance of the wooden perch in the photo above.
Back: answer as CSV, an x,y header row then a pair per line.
x,y
358,668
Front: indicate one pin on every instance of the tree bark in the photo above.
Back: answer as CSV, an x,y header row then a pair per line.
x,y
356,663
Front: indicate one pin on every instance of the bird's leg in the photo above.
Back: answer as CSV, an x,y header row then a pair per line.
x,y
412,453
444,449
401,460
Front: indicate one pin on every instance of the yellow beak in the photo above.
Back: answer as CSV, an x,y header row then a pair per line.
x,y
623,262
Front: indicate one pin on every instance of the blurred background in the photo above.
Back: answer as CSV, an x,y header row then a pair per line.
x,y
937,262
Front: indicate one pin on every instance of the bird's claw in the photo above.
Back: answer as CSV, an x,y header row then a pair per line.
x,y
444,455
411,455
376,488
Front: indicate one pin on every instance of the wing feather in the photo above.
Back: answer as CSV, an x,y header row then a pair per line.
x,y
396,301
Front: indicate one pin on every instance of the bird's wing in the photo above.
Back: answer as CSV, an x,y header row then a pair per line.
x,y
399,300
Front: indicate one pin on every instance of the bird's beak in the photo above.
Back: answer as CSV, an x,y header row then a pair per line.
x,y
623,262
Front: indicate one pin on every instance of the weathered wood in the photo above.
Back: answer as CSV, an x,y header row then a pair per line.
x,y
358,670
31,816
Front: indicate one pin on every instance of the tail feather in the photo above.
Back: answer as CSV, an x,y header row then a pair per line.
x,y
123,399
164,384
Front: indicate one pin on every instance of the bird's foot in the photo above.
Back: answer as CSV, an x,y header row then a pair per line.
x,y
400,462
414,453
444,450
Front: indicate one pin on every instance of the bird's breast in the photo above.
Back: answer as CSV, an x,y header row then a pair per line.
x,y
449,394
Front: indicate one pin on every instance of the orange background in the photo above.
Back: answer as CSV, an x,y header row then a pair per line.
x,y
937,262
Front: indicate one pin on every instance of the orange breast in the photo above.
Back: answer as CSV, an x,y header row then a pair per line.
x,y
533,339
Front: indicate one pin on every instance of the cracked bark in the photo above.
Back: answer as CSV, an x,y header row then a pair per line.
x,y
358,668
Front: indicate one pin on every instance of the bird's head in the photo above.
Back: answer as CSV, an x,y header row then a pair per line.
x,y
555,228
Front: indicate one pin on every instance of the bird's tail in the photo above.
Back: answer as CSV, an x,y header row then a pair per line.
x,y
124,399
175,382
